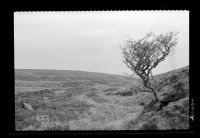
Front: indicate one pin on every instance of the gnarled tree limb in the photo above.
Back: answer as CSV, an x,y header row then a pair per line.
x,y
143,55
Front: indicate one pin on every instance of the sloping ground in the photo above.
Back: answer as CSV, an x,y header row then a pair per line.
x,y
184,71
105,113
174,116
104,117
67,75
174,96
82,106
88,111
50,110
34,79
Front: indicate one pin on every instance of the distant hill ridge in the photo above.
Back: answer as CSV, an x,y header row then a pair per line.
x,y
19,73
64,72
171,72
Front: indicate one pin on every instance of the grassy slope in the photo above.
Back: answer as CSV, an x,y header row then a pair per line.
x,y
95,104
40,73
168,74
175,115
61,78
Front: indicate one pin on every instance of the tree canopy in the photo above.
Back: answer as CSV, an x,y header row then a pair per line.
x,y
142,55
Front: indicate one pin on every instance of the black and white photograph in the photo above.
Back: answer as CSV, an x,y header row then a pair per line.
x,y
101,70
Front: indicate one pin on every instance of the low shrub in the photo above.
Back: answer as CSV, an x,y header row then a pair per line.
x,y
168,114
173,78
178,92
179,86
151,125
23,118
186,71
179,122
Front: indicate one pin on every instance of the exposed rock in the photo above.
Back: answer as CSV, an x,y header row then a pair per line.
x,y
27,106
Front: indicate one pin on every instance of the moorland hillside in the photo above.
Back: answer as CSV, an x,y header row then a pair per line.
x,y
75,100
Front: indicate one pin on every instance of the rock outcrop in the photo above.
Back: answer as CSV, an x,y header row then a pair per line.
x,y
27,106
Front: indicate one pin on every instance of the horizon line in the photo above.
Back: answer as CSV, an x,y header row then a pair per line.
x,y
121,74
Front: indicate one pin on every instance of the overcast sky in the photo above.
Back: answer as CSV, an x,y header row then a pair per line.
x,y
89,41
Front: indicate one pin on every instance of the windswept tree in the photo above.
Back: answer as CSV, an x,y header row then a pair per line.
x,y
143,55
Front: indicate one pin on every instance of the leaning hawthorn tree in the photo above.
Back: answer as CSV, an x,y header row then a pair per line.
x,y
143,55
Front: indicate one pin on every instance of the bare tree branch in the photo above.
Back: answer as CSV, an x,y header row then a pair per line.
x,y
144,54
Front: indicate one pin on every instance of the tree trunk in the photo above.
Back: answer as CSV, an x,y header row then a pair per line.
x,y
155,97
152,105
154,93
